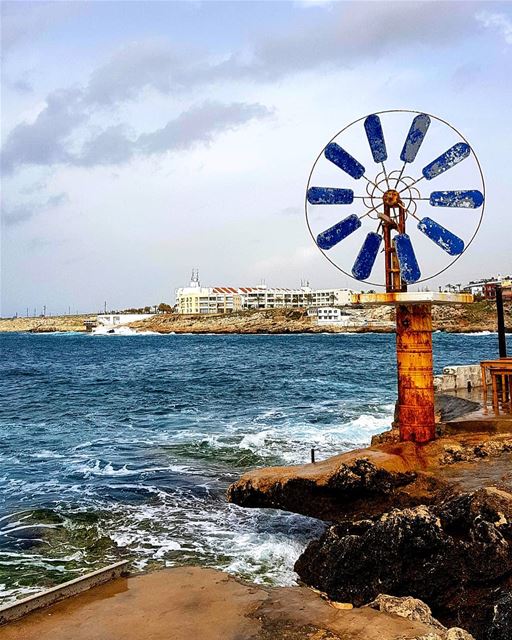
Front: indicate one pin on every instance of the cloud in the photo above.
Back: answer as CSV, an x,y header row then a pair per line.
x,y
200,124
498,21
22,86
111,146
348,33
360,31
465,76
292,211
22,20
138,66
12,216
45,141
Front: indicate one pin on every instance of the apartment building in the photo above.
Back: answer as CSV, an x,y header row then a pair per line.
x,y
195,299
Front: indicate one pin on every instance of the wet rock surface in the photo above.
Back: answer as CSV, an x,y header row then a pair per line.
x,y
455,555
357,487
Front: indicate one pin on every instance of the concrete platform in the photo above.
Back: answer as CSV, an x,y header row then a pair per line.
x,y
190,602
413,297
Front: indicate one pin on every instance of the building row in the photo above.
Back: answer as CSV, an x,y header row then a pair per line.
x,y
486,288
196,299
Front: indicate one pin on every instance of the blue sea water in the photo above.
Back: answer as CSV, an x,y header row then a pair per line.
x,y
123,446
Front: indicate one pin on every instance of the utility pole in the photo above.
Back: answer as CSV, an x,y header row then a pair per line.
x,y
502,340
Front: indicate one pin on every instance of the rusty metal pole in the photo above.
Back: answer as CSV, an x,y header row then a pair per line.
x,y
413,338
415,372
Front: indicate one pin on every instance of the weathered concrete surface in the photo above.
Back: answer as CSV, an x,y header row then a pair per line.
x,y
189,603
20,608
460,377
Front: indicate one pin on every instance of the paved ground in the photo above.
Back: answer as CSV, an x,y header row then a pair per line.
x,y
190,603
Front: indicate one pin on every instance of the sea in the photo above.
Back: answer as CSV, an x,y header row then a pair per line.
x,y
116,447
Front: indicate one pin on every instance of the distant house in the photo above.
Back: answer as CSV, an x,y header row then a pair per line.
x,y
487,287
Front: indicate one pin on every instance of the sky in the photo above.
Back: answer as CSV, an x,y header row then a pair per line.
x,y
142,139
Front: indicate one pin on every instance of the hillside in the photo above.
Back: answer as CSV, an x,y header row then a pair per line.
x,y
479,316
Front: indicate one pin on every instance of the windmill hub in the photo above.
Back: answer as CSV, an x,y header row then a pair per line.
x,y
391,198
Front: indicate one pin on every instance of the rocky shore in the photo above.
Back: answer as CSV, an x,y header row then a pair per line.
x,y
432,522
476,317
50,324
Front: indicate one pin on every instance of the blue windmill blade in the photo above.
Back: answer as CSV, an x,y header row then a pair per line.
x,y
330,237
415,137
375,137
344,160
409,268
447,240
465,199
330,195
366,257
447,160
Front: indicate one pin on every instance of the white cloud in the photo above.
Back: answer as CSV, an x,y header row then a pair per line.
x,y
497,21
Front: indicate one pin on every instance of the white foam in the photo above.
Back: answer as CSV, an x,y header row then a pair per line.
x,y
479,333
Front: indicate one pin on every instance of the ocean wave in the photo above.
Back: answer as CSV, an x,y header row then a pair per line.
x,y
99,468
479,333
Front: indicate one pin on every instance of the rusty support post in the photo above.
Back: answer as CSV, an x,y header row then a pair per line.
x,y
415,372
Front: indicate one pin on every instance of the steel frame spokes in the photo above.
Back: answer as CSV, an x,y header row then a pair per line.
x,y
400,175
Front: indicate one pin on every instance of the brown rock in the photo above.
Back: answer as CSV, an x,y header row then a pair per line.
x,y
406,607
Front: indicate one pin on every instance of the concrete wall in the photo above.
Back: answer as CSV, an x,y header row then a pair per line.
x,y
19,608
458,377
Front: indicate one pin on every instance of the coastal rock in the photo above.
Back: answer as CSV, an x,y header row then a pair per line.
x,y
500,627
456,633
455,452
358,485
406,607
455,556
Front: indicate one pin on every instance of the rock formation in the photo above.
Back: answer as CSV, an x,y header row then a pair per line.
x,y
433,523
456,556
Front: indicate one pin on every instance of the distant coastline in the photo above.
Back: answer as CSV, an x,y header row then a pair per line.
x,y
472,318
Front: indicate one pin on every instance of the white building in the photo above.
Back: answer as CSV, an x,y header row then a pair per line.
x,y
336,316
117,319
195,299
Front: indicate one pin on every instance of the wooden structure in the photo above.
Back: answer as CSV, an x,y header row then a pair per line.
x,y
500,373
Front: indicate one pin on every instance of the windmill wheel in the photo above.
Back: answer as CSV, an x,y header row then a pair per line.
x,y
374,180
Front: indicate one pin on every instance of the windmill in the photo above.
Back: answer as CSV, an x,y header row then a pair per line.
x,y
393,215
